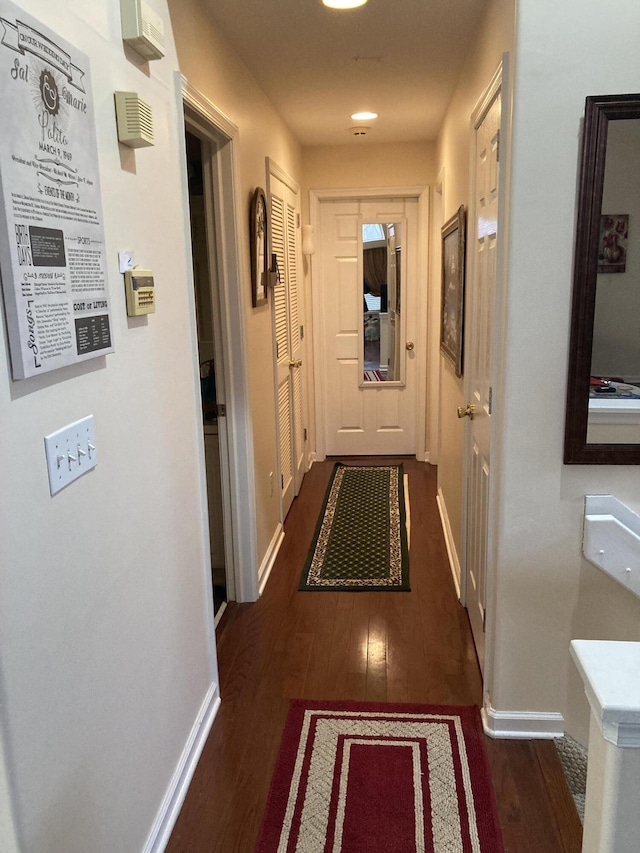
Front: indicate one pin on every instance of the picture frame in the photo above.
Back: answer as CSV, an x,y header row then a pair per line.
x,y
612,244
453,286
259,246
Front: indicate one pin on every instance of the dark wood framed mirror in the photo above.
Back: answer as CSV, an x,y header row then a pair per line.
x,y
603,392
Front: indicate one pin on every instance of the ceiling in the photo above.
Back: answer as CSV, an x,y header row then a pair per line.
x,y
399,58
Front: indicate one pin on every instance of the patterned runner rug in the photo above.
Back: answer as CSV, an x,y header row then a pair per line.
x,y
374,778
360,541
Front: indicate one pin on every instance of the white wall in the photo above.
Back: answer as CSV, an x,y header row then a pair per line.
x,y
546,593
494,38
105,653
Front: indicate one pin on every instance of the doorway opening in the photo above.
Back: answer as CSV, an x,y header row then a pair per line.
x,y
216,135
203,253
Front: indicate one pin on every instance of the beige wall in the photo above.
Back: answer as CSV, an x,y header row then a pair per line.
x,y
215,71
547,593
494,38
367,164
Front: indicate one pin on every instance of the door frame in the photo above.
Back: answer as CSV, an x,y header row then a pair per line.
x,y
500,83
434,403
238,480
316,198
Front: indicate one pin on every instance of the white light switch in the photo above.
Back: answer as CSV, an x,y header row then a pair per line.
x,y
71,452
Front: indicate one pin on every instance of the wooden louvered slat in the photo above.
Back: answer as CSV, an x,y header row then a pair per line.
x,y
284,414
280,290
292,257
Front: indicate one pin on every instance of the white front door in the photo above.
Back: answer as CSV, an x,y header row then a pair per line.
x,y
479,361
284,230
368,407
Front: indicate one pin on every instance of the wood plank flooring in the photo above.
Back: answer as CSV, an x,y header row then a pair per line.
x,y
397,647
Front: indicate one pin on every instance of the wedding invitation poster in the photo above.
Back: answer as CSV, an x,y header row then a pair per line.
x,y
52,253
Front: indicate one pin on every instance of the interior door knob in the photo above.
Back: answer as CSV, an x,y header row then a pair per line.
x,y
466,413
296,363
410,345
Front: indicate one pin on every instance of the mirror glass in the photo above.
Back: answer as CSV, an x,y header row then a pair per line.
x,y
381,305
603,391
614,394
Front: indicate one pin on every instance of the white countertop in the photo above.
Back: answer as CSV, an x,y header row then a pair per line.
x,y
611,674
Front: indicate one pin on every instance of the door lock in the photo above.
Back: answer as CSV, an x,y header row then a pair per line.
x,y
466,413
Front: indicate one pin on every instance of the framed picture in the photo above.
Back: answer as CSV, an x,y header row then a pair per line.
x,y
612,247
259,248
452,310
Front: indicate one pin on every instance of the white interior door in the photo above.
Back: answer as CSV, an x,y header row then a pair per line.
x,y
285,244
479,362
372,412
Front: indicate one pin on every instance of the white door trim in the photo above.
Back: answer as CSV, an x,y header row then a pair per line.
x,y
238,485
500,82
278,172
434,407
421,193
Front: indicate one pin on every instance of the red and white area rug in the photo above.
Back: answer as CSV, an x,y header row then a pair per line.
x,y
376,778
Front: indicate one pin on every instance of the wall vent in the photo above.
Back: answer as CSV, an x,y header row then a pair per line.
x,y
134,118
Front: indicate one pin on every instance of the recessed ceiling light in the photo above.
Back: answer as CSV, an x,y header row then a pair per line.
x,y
344,4
364,116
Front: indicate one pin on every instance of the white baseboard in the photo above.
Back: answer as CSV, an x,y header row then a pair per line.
x,y
269,558
181,779
522,724
454,562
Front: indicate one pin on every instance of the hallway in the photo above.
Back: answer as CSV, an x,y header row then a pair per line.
x,y
395,647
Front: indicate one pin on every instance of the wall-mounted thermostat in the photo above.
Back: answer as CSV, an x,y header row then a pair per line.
x,y
142,29
140,291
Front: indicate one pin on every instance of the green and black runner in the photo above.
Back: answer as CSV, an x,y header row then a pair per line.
x,y
360,543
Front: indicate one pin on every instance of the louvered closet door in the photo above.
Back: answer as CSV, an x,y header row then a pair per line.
x,y
285,244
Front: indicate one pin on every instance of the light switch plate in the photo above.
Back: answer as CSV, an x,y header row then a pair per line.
x,y
71,452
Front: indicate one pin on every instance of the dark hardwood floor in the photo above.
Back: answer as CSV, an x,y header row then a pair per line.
x,y
385,647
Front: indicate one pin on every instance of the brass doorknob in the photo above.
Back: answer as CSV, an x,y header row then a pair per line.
x,y
296,363
410,345
466,413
